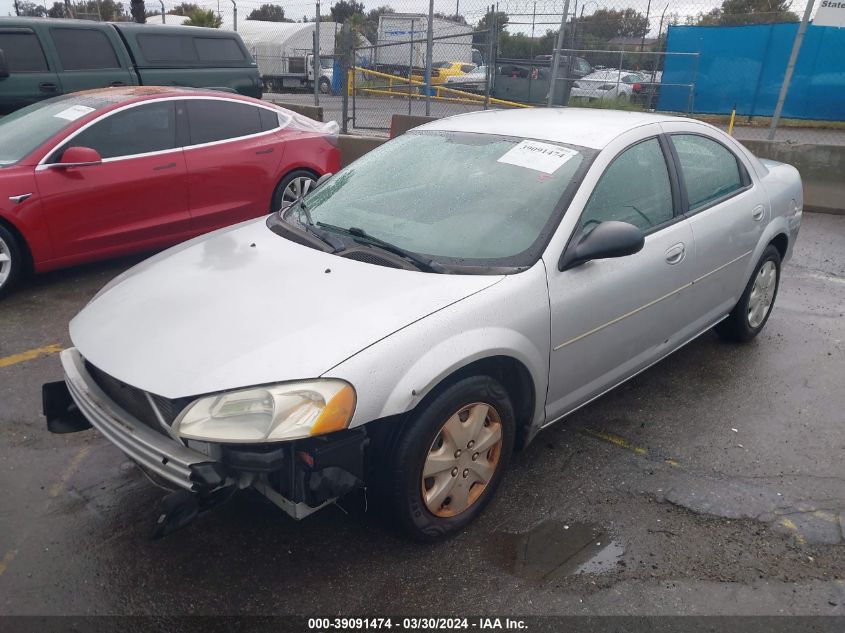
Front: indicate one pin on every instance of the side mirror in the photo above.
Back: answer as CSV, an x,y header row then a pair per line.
x,y
608,239
78,157
4,66
321,180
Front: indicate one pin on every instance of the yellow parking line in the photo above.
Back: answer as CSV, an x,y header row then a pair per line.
x,y
56,488
30,354
621,442
8,558
789,525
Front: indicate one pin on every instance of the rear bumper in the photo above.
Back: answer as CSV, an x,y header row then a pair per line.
x,y
162,455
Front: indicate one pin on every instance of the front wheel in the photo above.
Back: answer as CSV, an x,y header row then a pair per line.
x,y
755,305
450,458
325,86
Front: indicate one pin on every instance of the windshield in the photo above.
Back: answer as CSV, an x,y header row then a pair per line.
x,y
473,199
27,129
327,62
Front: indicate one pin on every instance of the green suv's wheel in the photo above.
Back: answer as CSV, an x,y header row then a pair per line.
x,y
450,458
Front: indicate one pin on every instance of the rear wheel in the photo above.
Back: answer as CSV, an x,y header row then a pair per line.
x,y
325,86
450,458
292,187
755,305
11,260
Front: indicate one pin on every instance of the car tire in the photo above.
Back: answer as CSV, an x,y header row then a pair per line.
x,y
325,86
471,413
11,260
755,305
286,190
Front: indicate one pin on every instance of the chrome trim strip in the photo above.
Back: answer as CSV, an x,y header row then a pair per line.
x,y
42,164
649,304
158,453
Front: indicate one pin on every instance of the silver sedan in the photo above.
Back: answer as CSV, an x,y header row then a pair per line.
x,y
429,309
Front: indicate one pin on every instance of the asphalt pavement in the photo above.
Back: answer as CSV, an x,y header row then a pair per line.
x,y
713,483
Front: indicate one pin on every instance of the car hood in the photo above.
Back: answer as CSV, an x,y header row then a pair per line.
x,y
244,306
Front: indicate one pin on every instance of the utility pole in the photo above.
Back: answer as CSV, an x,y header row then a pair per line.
x,y
647,13
556,55
235,15
317,67
429,49
790,67
162,11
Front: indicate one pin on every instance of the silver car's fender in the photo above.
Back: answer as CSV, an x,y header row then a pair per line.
x,y
509,318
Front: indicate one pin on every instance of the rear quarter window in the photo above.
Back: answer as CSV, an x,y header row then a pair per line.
x,y
23,52
84,49
167,48
218,49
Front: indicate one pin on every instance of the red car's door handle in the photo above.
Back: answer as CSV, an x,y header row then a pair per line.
x,y
162,167
269,150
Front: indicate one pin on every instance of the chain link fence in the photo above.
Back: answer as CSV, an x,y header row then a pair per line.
x,y
723,62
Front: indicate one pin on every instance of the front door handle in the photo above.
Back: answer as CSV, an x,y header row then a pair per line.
x,y
269,150
675,254
758,212
163,167
48,86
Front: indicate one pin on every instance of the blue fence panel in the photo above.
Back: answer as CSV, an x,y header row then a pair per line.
x,y
745,65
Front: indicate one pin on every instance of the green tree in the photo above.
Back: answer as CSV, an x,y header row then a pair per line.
x,y
58,10
207,18
32,10
268,13
739,12
605,24
185,8
139,14
369,28
346,10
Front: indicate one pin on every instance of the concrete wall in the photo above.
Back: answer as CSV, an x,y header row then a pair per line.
x,y
312,112
822,169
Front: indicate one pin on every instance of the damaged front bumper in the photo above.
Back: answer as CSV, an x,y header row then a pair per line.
x,y
298,476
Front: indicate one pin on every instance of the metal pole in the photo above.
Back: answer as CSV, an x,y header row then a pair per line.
x,y
162,11
429,49
347,47
556,54
457,8
790,67
235,15
410,64
647,12
317,67
491,30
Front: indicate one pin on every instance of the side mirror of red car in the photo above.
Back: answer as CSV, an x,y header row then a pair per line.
x,y
78,157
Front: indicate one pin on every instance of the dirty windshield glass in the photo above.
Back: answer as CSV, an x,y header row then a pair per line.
x,y
457,196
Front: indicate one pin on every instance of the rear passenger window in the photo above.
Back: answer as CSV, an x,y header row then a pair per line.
x,y
710,170
634,189
218,49
167,48
84,49
213,120
138,130
23,52
269,119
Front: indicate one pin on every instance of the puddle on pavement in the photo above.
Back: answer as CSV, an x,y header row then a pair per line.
x,y
554,549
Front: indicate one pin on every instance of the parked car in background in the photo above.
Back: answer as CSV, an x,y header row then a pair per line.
x,y
105,172
390,333
473,81
580,66
450,69
42,58
606,85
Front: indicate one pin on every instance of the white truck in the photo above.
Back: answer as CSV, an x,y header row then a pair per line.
x,y
284,52
395,48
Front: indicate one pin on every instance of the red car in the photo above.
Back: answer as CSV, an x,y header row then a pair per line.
x,y
95,174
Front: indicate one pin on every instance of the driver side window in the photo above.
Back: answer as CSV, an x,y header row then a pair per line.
x,y
635,188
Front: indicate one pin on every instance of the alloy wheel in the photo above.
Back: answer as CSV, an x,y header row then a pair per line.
x,y
5,262
762,294
297,188
462,459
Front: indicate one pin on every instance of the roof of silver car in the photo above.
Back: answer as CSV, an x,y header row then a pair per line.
x,y
588,127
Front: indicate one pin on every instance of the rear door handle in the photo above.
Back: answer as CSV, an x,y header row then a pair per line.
x,y
675,254
48,86
116,84
758,212
163,167
269,150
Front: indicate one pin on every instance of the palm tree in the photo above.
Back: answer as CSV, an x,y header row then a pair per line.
x,y
204,18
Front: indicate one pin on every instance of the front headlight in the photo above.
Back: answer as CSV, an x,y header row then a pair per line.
x,y
275,413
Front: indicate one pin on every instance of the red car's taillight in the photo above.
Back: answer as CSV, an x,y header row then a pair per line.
x,y
637,87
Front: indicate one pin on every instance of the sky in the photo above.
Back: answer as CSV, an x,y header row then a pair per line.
x,y
519,10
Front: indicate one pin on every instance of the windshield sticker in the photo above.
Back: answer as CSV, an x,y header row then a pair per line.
x,y
543,157
73,112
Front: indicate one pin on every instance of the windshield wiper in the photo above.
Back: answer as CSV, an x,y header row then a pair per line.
x,y
362,237
313,229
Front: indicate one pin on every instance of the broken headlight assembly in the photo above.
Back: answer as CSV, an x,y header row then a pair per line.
x,y
274,413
